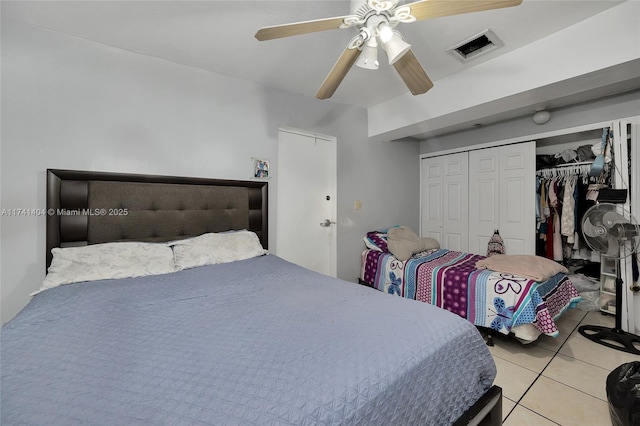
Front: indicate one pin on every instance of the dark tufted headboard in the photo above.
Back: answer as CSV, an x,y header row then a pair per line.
x,y
95,207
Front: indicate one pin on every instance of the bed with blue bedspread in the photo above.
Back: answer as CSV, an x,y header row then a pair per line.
x,y
258,341
173,314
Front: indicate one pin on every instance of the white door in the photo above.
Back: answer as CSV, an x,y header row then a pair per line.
x,y
444,200
484,198
431,198
456,202
306,201
517,197
502,197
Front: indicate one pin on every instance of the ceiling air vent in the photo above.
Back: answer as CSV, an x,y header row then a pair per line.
x,y
477,45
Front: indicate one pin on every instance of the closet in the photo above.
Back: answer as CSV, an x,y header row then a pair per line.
x,y
616,174
565,191
466,196
468,193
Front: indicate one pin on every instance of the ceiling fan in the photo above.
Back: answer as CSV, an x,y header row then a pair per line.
x,y
375,21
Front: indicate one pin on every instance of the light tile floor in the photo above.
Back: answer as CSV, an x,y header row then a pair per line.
x,y
557,381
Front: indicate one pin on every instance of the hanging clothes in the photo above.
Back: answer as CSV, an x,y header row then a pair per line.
x,y
558,255
549,238
563,196
567,227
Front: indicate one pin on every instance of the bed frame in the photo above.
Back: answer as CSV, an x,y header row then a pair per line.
x,y
95,207
86,207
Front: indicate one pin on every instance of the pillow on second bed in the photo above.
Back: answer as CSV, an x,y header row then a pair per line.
x,y
214,248
537,268
403,243
107,261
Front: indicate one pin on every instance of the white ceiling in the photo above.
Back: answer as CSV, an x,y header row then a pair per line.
x,y
219,36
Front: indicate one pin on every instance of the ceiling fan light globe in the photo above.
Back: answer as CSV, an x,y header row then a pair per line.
x,y
369,58
395,48
367,64
385,33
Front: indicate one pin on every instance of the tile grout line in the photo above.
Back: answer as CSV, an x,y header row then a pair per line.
x,y
542,371
574,358
538,414
576,389
572,331
528,388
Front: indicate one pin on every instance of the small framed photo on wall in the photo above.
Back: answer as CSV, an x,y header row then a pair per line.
x,y
260,168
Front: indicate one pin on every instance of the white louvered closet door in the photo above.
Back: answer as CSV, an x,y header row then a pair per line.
x,y
445,200
502,196
518,197
484,198
456,202
431,198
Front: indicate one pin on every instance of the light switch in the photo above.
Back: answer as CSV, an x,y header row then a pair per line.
x,y
357,205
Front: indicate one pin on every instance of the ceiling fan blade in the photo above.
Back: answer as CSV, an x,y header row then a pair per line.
x,y
427,9
297,28
412,73
338,72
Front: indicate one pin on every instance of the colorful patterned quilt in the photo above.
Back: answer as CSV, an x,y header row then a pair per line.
x,y
449,280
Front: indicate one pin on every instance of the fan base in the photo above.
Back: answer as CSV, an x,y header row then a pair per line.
x,y
614,338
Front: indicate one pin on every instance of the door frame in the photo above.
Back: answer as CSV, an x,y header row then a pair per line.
x,y
333,250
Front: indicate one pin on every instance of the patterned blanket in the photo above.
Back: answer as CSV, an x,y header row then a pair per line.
x,y
449,280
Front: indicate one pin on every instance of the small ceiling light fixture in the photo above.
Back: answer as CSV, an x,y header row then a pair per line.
x,y
385,32
541,116
369,57
395,47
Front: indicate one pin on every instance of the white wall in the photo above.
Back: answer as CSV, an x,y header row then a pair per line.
x,y
72,104
577,59
609,108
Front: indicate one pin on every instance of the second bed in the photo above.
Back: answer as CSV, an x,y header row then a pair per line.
x,y
499,301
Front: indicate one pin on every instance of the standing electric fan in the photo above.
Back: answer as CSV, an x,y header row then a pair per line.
x,y
614,233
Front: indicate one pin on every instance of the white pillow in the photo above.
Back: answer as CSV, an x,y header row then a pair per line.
x,y
108,261
214,248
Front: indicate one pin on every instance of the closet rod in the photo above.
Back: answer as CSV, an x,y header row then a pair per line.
x,y
581,168
583,163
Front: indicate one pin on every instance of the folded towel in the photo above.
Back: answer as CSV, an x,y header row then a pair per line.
x,y
536,268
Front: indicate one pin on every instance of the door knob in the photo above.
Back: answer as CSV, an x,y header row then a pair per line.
x,y
327,223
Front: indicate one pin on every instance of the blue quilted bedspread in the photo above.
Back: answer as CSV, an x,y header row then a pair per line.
x,y
259,341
